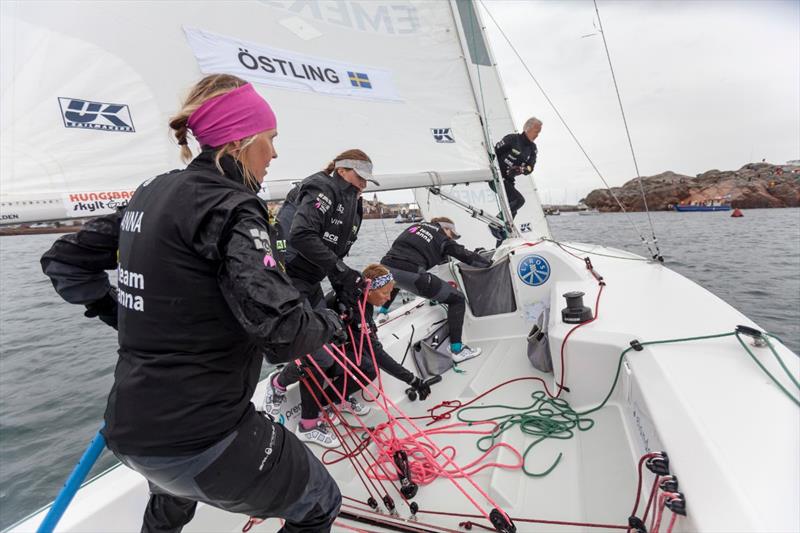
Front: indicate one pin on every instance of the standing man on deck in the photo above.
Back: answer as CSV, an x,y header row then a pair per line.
x,y
516,154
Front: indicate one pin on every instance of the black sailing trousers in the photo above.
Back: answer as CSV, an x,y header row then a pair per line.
x,y
260,470
433,287
515,198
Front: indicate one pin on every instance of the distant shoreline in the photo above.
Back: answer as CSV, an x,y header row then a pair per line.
x,y
754,186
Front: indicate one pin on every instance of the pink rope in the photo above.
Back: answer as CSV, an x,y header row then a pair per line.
x,y
394,422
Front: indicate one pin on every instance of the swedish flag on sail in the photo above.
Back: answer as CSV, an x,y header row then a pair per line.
x,y
359,79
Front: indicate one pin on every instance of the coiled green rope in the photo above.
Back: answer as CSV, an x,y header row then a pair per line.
x,y
553,418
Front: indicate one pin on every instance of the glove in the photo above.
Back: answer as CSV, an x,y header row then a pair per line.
x,y
339,335
347,284
479,261
105,308
383,310
422,388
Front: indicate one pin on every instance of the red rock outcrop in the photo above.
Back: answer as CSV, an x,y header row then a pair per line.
x,y
754,185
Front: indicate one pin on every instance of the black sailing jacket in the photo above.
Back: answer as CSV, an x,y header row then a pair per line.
x,y
424,246
321,218
202,295
516,155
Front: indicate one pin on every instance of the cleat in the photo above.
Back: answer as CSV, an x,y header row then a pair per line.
x,y
465,353
320,435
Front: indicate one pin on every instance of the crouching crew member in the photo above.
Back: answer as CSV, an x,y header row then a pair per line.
x,y
321,218
420,248
202,295
310,427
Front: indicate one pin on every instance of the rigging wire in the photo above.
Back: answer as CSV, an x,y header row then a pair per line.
x,y
484,118
627,130
383,223
653,253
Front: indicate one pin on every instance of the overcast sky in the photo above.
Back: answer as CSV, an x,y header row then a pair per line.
x,y
705,84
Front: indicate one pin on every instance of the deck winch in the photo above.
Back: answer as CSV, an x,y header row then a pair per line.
x,y
575,312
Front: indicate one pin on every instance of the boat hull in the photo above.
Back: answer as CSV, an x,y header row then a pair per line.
x,y
693,208
668,396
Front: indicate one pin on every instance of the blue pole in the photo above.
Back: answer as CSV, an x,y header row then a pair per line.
x,y
73,483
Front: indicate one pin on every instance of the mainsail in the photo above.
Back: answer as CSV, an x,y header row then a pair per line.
x,y
87,89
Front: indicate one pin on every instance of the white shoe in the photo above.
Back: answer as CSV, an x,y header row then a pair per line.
x,y
354,405
465,353
273,399
321,434
333,417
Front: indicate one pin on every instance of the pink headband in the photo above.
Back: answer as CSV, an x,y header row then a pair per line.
x,y
231,116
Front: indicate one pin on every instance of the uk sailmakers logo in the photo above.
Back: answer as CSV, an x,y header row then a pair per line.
x,y
286,69
79,113
443,135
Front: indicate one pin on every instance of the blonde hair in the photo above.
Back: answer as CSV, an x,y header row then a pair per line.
x,y
374,270
209,87
355,153
441,219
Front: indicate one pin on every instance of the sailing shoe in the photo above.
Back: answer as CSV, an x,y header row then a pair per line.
x,y
320,434
273,399
354,405
465,353
498,233
334,418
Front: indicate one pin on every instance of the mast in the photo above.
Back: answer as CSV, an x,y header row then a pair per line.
x,y
495,115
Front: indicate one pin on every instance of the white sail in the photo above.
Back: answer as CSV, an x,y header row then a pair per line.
x,y
489,97
87,89
658,348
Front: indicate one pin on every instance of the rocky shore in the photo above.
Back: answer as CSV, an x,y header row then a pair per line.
x,y
755,185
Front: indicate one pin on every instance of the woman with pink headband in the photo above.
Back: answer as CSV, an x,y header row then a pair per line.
x,y
202,295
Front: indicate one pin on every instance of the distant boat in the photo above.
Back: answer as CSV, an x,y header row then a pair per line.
x,y
587,212
714,204
737,213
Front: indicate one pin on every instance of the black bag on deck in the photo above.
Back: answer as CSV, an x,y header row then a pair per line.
x,y
490,291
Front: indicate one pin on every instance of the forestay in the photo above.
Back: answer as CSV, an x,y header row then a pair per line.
x,y
88,88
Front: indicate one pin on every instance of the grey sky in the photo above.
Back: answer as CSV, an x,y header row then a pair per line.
x,y
705,84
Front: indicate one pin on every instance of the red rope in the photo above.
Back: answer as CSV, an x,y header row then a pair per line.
x,y
455,405
356,466
651,499
527,520
385,407
672,522
564,343
379,517
662,500
642,459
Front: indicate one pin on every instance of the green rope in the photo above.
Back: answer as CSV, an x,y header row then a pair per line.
x,y
553,418
545,418
767,372
622,357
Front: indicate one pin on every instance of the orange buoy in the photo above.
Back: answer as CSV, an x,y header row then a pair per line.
x,y
737,213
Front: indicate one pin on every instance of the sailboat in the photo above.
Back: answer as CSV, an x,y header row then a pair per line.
x,y
612,393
